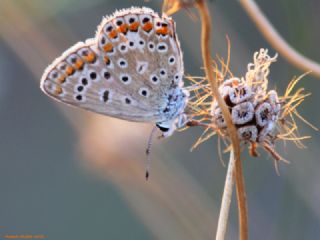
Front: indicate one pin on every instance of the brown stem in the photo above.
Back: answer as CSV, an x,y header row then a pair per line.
x,y
275,39
205,47
242,201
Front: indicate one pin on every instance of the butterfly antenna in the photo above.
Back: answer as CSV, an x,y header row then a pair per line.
x,y
148,164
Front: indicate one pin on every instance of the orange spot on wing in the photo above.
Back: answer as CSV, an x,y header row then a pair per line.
x,y
106,59
163,31
134,26
91,57
79,64
147,27
70,70
113,34
58,90
108,47
62,79
123,28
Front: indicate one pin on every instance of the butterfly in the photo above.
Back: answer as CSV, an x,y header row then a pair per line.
x,y
132,70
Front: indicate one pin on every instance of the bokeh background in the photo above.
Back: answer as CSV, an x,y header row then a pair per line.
x,y
69,174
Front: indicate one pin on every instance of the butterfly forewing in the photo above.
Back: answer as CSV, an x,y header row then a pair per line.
x,y
128,71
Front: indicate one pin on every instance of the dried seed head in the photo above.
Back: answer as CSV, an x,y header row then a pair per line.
x,y
260,116
253,111
250,110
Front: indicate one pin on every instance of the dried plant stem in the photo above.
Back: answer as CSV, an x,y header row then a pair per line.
x,y
274,38
226,199
242,201
205,47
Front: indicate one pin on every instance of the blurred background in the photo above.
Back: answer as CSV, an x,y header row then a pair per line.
x,y
70,174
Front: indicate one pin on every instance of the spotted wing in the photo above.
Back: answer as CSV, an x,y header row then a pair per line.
x,y
127,71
